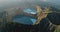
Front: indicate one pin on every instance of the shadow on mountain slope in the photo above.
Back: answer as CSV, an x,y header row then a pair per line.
x,y
54,18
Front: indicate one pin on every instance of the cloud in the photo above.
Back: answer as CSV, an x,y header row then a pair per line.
x,y
45,0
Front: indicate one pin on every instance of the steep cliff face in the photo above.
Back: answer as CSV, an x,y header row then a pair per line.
x,y
54,18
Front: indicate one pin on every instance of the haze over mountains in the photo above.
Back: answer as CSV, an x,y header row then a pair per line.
x,y
20,3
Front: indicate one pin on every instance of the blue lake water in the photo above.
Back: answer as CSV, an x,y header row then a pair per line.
x,y
30,11
24,20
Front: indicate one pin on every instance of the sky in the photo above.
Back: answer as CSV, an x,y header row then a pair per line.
x,y
23,0
9,1
51,1
29,0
